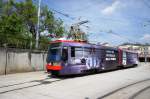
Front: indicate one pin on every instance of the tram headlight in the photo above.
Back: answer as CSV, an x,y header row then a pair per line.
x,y
56,64
49,64
53,64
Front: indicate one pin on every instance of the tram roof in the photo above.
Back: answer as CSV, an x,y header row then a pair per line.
x,y
72,43
81,44
87,45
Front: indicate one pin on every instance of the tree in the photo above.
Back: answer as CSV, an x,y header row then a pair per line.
x,y
50,23
28,12
59,28
10,24
1,3
18,23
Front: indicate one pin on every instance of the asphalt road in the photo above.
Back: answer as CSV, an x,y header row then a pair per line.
x,y
131,83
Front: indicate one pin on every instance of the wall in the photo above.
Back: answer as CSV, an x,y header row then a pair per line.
x,y
18,60
2,61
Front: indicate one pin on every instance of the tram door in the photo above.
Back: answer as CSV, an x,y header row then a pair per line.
x,y
124,58
65,54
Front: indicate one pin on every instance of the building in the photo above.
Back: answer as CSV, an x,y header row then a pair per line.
x,y
142,50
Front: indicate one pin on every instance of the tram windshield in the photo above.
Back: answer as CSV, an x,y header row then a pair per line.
x,y
54,52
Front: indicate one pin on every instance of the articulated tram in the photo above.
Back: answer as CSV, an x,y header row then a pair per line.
x,y
71,57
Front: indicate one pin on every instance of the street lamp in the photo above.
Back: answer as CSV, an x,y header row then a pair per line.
x,y
38,24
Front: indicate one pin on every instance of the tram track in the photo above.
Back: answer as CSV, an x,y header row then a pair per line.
x,y
27,84
118,93
19,83
139,92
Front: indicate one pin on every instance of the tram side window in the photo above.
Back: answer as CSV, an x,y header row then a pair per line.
x,y
76,52
79,52
76,55
87,52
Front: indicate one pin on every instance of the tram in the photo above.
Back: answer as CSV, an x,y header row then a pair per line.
x,y
66,57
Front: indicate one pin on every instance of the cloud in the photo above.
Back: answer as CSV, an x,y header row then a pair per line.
x,y
146,37
111,9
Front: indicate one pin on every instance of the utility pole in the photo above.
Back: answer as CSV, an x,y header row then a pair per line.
x,y
38,24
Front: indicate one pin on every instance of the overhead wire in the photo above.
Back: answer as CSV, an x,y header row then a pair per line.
x,y
62,13
104,18
146,3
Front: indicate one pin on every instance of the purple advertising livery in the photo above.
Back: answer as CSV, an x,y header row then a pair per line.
x,y
70,57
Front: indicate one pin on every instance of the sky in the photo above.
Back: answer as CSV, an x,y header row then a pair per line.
x,y
112,21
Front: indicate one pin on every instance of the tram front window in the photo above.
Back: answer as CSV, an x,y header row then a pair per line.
x,y
54,54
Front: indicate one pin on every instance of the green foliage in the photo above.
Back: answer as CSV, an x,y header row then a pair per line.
x,y
59,29
28,12
43,43
47,19
18,23
50,23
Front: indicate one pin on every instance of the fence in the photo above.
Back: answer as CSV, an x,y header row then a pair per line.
x,y
14,60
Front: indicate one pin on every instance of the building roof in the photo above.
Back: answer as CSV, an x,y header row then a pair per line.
x,y
136,44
